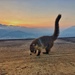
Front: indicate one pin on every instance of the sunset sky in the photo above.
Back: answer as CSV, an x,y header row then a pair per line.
x,y
37,13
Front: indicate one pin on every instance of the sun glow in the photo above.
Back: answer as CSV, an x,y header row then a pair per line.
x,y
12,22
16,22
36,13
28,22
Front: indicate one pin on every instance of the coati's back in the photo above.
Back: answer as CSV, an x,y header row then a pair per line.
x,y
46,40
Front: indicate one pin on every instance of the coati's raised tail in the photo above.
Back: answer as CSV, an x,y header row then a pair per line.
x,y
56,31
45,42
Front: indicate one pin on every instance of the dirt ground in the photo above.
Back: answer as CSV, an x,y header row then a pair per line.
x,y
15,59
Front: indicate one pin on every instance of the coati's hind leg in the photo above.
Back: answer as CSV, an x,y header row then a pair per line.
x,y
48,48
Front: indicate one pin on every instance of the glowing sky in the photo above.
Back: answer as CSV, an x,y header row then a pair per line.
x,y
37,13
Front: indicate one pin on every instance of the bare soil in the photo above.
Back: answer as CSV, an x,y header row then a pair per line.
x,y
15,59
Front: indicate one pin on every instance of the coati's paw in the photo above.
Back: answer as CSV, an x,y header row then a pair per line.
x,y
45,53
38,55
30,54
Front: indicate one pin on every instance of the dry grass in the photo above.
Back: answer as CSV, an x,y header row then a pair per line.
x,y
15,59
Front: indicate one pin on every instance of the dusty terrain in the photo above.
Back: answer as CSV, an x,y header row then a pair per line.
x,y
15,59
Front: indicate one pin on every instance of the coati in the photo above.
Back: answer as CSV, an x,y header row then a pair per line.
x,y
45,42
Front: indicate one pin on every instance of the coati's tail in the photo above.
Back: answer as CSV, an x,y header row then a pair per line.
x,y
56,31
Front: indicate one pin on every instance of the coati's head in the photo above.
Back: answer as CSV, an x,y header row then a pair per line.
x,y
32,49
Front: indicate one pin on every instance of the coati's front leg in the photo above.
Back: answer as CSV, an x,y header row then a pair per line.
x,y
34,51
39,51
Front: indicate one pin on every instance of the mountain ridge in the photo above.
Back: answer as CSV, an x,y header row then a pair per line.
x,y
69,32
16,32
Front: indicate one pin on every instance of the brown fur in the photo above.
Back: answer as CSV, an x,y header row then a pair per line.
x,y
45,42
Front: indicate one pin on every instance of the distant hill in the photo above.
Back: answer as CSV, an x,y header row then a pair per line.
x,y
16,32
16,35
69,32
